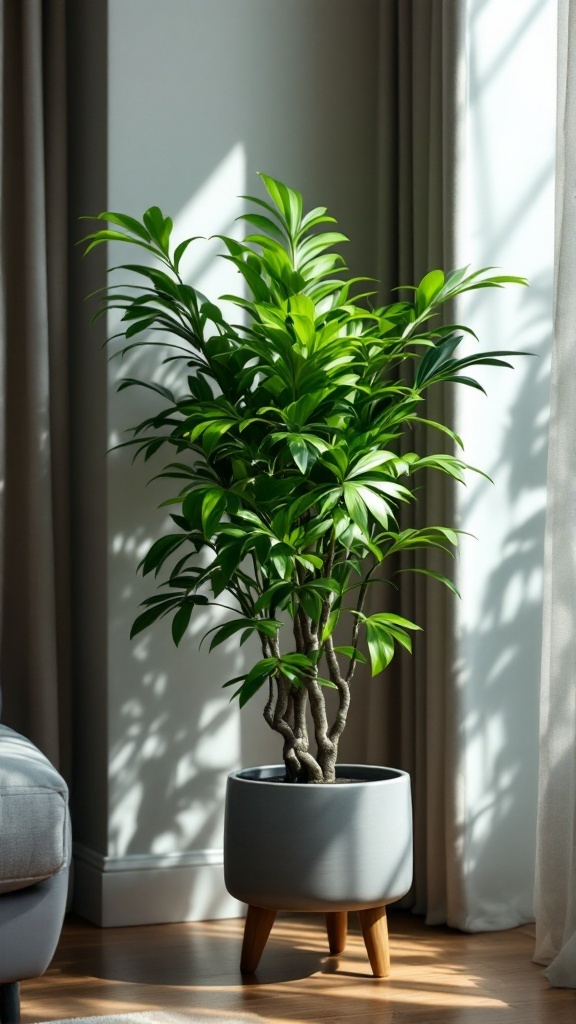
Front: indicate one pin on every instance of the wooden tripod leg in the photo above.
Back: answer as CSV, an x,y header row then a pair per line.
x,y
337,927
256,931
375,931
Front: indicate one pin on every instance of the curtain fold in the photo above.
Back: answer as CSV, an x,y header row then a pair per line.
x,y
34,612
410,718
556,844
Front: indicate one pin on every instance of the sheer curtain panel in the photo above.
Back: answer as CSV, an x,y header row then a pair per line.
x,y
556,858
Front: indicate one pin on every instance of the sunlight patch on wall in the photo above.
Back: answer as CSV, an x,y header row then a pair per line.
x,y
174,734
212,210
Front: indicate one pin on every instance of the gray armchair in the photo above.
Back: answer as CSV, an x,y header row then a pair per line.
x,y
35,850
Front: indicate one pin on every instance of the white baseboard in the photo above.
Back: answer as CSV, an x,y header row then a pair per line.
x,y
151,888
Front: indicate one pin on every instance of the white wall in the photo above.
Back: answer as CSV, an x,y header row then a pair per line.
x,y
509,222
201,96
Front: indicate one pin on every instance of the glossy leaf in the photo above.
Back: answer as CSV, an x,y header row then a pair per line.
x,y
160,551
181,621
146,618
351,652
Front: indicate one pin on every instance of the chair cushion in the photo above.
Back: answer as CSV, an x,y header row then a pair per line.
x,y
33,814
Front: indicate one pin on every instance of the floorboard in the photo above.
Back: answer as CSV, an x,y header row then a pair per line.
x,y
439,976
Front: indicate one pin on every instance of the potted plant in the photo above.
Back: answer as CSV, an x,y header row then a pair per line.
x,y
293,440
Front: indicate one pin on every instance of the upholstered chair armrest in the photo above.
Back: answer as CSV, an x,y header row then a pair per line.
x,y
34,824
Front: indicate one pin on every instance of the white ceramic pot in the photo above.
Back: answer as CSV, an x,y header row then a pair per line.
x,y
326,848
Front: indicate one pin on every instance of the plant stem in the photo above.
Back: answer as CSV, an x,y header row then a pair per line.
x,y
326,754
301,766
339,723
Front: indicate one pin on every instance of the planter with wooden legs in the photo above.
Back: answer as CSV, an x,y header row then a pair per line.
x,y
330,848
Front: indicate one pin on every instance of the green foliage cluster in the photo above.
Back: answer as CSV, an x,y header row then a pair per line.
x,y
285,441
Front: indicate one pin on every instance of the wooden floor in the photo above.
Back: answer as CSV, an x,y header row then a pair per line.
x,y
438,976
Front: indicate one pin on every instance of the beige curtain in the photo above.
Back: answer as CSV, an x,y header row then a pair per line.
x,y
34,613
556,846
408,722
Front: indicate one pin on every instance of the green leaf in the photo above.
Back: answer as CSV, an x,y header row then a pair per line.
x,y
286,199
333,620
311,603
351,652
231,682
300,453
437,576
326,682
160,551
159,227
213,506
140,327
213,432
336,460
222,633
315,530
303,306
380,647
430,286
310,562
264,224
389,618
276,594
108,235
316,216
356,507
370,461
304,503
263,204
181,249
401,637
382,629
256,679
128,382
446,464
267,627
325,586
146,618
376,505
181,621
283,563
442,428
125,221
